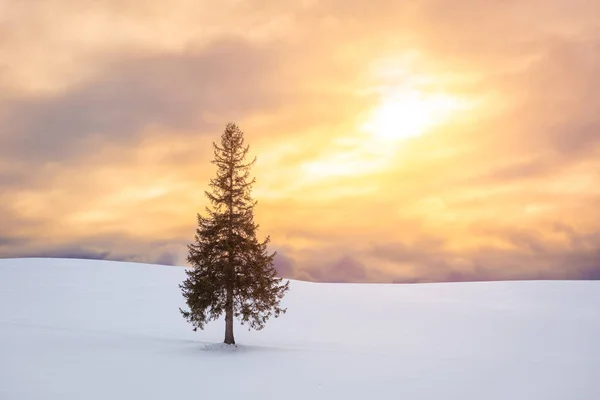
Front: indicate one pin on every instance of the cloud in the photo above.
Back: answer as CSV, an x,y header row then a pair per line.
x,y
179,91
285,266
530,256
167,258
9,240
113,246
69,252
344,269
105,133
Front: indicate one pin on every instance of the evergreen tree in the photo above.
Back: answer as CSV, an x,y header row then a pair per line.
x,y
232,271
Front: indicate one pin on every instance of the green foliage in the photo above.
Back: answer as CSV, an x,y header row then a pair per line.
x,y
232,271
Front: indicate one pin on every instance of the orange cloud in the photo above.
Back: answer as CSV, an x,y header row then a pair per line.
x,y
396,141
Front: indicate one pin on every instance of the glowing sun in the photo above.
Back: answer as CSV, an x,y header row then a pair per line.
x,y
408,113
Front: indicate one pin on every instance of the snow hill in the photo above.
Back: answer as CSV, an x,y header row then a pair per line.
x,y
73,329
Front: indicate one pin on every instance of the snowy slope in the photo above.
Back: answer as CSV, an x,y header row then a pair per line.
x,y
72,329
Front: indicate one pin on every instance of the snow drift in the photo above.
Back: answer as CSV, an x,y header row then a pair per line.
x,y
74,329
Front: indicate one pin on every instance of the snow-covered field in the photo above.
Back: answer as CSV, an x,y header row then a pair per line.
x,y
72,329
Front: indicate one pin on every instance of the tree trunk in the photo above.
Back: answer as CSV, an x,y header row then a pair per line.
x,y
230,269
229,317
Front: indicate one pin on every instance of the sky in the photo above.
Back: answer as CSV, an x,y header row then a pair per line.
x,y
397,141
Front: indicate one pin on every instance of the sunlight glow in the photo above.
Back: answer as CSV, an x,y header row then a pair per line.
x,y
402,114
409,113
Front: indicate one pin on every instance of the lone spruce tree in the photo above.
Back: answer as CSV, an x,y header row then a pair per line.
x,y
232,271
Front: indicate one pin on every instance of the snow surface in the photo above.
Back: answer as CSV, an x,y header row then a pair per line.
x,y
73,329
